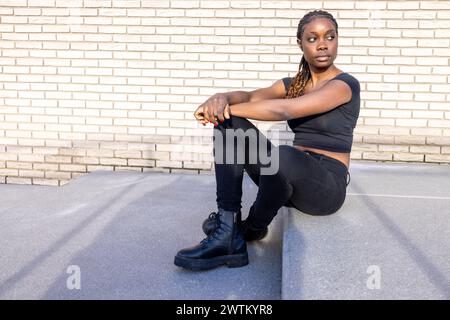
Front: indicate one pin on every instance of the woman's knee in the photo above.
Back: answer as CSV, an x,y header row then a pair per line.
x,y
235,122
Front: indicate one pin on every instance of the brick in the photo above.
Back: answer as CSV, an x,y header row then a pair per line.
x,y
379,122
127,154
415,70
395,114
45,150
398,156
9,172
393,148
412,105
444,88
378,139
425,149
394,131
432,61
32,158
45,166
430,79
380,104
127,138
410,140
429,97
417,33
426,131
49,182
58,175
72,167
157,155
377,156
31,174
428,114
182,156
141,131
99,153
437,158
113,161
397,96
197,165
18,165
57,159
141,162
398,78
153,139
164,170
8,156
14,180
439,123
439,141
385,33
86,160
100,137
169,164
411,122
364,147
382,87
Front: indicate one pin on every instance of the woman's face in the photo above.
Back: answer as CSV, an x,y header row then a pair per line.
x,y
319,43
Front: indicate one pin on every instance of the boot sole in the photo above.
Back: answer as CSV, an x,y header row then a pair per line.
x,y
232,261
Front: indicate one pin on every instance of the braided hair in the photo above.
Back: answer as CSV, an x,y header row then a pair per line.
x,y
298,84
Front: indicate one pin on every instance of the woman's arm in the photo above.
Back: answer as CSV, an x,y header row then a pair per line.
x,y
330,96
267,110
236,97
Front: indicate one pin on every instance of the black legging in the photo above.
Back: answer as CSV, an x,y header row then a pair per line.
x,y
311,182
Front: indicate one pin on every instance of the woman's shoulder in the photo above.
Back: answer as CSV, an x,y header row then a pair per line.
x,y
352,81
287,82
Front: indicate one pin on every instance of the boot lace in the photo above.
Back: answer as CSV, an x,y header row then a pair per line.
x,y
216,218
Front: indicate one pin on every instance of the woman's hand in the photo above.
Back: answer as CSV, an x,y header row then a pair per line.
x,y
214,109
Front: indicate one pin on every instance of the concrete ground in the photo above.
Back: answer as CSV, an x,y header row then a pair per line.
x,y
119,232
122,230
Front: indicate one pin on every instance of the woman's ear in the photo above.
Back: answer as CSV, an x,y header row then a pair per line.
x,y
299,42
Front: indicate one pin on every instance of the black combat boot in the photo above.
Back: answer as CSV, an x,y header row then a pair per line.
x,y
225,245
250,233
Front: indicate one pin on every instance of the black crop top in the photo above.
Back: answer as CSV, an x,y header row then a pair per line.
x,y
331,130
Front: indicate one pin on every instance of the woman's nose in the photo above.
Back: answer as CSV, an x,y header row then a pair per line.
x,y
321,45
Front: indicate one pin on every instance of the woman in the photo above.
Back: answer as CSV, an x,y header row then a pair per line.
x,y
321,105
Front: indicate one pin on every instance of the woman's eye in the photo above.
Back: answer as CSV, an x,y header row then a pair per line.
x,y
312,39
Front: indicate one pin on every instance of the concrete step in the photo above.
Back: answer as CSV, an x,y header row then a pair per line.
x,y
390,240
122,230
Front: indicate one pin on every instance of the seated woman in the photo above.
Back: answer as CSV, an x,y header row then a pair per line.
x,y
321,105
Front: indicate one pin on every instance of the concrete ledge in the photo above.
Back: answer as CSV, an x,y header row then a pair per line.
x,y
390,239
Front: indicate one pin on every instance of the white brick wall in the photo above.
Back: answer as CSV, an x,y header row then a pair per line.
x,y
111,85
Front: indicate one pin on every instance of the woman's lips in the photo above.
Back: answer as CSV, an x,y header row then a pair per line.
x,y
322,58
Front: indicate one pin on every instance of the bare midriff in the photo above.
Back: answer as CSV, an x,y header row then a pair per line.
x,y
340,156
